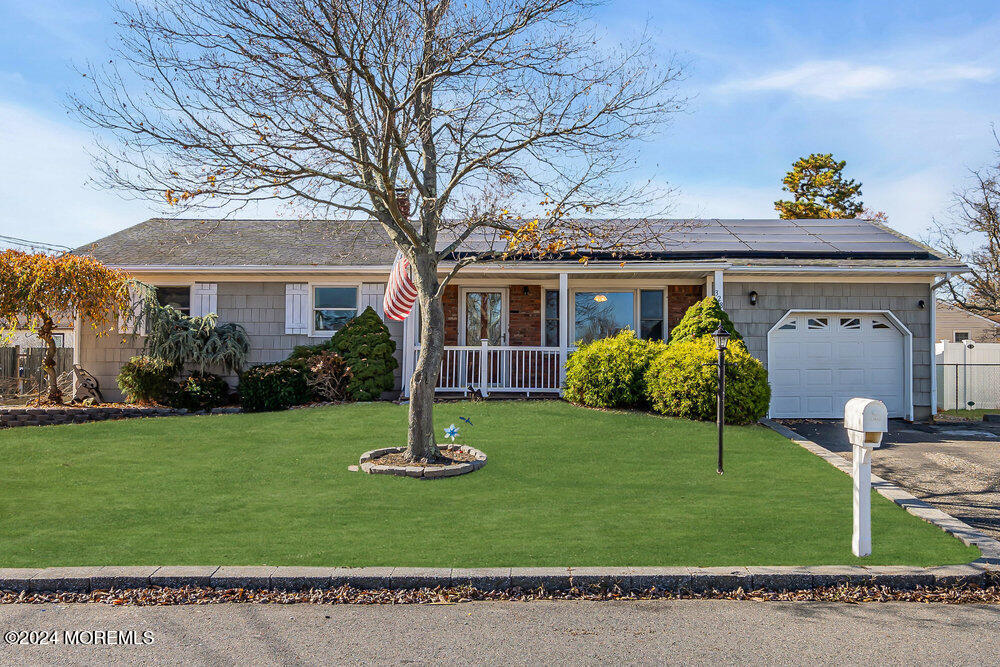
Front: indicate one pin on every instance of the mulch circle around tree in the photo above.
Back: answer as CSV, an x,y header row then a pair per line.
x,y
390,461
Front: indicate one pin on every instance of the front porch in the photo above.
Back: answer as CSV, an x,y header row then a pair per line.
x,y
513,334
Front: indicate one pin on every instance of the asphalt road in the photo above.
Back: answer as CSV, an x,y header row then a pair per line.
x,y
678,631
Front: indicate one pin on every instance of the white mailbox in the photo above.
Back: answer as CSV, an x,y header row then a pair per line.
x,y
865,420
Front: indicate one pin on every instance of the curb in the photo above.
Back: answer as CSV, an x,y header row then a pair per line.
x,y
989,547
693,579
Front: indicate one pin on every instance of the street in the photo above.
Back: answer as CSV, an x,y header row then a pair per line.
x,y
677,631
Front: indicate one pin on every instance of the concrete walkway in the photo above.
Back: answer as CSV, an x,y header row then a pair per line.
x,y
646,632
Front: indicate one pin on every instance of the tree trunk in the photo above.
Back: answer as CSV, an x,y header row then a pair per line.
x,y
49,363
421,442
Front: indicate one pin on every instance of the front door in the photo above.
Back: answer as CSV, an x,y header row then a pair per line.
x,y
486,318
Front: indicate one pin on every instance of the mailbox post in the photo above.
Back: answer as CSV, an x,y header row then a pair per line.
x,y
865,420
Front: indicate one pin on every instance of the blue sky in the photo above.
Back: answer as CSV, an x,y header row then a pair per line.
x,y
906,92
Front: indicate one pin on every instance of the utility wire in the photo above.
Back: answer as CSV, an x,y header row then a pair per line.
x,y
14,243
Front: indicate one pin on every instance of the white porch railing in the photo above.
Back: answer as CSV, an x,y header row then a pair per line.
x,y
507,369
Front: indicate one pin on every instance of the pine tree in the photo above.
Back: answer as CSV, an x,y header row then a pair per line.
x,y
820,190
365,345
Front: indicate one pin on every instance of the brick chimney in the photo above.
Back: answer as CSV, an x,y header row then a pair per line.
x,y
403,201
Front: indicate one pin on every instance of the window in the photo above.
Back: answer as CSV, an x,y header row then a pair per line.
x,y
333,306
816,323
603,314
551,318
178,298
59,339
850,323
651,314
788,326
961,336
879,324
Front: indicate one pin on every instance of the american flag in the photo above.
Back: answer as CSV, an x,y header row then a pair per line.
x,y
400,292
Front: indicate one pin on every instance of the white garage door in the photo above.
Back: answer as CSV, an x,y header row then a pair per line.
x,y
820,360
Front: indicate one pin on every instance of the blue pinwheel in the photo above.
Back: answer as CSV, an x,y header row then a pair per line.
x,y
466,420
451,432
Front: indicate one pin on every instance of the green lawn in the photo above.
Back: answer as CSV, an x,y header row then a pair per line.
x,y
563,486
972,415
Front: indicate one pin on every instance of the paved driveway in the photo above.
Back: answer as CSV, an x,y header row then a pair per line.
x,y
954,466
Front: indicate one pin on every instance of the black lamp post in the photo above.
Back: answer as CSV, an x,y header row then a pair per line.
x,y
721,337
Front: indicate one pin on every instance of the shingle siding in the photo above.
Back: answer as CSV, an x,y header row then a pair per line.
x,y
774,299
258,306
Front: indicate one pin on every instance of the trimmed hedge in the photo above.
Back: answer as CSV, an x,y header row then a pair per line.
x,y
610,372
702,319
146,379
680,384
273,387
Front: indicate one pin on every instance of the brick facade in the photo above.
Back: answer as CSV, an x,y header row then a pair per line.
x,y
525,315
679,299
449,300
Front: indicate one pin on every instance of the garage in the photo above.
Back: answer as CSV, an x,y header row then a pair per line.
x,y
817,361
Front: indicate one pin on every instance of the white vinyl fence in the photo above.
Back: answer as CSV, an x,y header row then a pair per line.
x,y
968,375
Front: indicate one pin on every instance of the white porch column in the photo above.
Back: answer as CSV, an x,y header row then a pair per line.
x,y
563,327
409,335
718,287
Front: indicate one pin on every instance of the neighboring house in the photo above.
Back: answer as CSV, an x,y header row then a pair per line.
x,y
834,308
955,325
63,336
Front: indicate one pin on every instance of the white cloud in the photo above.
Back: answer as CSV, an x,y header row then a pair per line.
x,y
841,79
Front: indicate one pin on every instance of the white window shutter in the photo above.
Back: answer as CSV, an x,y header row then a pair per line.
x,y
204,299
296,308
372,294
133,322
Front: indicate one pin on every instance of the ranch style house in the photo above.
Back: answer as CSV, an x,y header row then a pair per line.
x,y
833,308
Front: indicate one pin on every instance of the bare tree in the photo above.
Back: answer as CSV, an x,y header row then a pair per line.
x,y
972,234
487,109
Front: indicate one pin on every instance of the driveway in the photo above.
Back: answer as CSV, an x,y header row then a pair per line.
x,y
954,466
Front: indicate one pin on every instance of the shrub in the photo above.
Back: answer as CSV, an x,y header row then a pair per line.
x,y
328,376
273,387
146,379
680,384
365,345
702,319
200,391
610,372
202,341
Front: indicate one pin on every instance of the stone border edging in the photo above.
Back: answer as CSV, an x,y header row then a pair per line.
x,y
968,535
16,416
693,579
423,472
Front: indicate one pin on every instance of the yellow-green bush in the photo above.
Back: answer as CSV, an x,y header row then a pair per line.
x,y
609,373
680,384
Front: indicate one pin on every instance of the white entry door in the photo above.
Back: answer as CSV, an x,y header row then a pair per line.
x,y
818,361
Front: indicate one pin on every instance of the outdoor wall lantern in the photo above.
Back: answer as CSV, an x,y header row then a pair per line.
x,y
721,337
753,298
920,304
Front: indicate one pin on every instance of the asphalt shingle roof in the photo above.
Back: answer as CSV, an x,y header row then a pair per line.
x,y
193,242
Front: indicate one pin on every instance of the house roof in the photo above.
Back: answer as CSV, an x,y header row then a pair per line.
x,y
162,242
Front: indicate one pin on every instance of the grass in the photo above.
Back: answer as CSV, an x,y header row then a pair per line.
x,y
564,486
972,415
